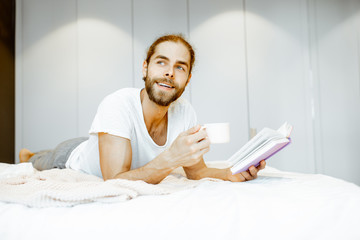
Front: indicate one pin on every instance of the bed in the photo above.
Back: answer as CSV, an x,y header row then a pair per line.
x,y
276,205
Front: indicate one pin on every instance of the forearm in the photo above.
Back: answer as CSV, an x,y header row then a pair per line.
x,y
145,173
209,173
200,170
153,172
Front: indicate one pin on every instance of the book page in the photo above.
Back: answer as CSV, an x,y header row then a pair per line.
x,y
264,143
285,130
263,153
257,141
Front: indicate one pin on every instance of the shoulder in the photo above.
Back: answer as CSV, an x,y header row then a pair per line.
x,y
116,113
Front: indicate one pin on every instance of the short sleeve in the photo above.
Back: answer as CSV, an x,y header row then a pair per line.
x,y
113,117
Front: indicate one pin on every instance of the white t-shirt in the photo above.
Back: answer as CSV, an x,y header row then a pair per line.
x,y
121,114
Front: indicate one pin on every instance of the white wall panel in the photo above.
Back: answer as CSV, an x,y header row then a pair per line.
x,y
219,78
294,60
153,19
278,77
104,54
338,61
49,73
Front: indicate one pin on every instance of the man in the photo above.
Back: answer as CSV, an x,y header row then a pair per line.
x,y
144,134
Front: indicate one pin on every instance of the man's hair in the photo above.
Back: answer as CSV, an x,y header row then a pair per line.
x,y
171,38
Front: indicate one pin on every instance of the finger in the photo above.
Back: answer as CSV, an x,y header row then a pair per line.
x,y
198,136
201,153
205,143
253,171
247,175
262,165
192,130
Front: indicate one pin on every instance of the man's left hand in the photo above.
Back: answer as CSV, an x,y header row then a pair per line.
x,y
247,175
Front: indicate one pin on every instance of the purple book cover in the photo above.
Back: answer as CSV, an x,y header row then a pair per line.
x,y
264,156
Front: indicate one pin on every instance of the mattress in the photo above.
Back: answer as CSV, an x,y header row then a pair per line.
x,y
276,205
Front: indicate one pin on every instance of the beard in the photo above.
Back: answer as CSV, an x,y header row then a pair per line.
x,y
159,97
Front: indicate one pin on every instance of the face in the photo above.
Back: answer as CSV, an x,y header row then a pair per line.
x,y
167,73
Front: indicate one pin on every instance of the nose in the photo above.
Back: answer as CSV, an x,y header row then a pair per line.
x,y
169,73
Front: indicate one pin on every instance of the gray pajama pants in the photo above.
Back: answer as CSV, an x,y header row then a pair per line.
x,y
55,158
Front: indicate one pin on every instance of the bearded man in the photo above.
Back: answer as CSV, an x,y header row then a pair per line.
x,y
144,134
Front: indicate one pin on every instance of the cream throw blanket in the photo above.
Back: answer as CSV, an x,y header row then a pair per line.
x,y
21,183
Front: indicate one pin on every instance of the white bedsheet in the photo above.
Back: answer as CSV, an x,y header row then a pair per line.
x,y
277,205
21,183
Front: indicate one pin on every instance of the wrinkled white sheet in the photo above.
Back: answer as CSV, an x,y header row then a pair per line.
x,y
277,205
21,183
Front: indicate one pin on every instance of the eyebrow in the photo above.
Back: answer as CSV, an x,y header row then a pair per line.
x,y
178,61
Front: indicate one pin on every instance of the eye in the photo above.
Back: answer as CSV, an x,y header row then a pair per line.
x,y
180,68
161,63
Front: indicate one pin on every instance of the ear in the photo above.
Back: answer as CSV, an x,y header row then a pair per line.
x,y
144,69
188,80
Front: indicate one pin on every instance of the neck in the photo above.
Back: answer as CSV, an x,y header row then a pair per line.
x,y
154,114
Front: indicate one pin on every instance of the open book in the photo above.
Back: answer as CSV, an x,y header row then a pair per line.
x,y
265,144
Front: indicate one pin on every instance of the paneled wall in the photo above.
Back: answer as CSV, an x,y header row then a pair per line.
x,y
48,96
259,63
219,87
104,54
338,74
277,75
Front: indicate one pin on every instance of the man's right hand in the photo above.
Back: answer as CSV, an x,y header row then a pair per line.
x,y
189,147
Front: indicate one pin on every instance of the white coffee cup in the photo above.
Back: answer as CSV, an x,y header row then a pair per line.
x,y
218,132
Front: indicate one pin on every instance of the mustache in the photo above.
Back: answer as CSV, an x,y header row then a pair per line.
x,y
165,80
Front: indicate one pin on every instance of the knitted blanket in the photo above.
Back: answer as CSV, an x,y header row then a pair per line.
x,y
21,183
